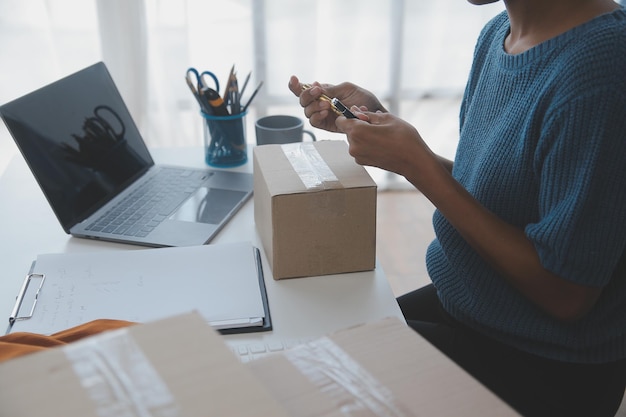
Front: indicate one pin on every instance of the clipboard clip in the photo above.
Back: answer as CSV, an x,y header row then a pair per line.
x,y
21,296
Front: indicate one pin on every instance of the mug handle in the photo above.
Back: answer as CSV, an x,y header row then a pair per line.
x,y
308,132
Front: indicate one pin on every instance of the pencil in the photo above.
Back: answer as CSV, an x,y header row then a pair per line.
x,y
245,83
252,97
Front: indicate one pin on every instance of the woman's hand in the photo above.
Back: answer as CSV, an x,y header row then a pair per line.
x,y
385,141
319,111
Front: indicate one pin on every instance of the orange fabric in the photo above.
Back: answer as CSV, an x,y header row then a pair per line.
x,y
22,343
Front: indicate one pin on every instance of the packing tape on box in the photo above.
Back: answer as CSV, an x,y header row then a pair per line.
x,y
119,378
313,171
353,389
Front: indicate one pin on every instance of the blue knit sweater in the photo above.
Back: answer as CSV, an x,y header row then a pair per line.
x,y
543,146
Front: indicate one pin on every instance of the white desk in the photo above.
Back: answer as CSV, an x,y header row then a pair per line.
x,y
301,308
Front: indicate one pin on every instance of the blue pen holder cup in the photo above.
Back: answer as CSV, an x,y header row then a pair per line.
x,y
225,140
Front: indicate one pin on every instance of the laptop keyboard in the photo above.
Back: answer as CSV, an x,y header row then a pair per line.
x,y
151,203
252,351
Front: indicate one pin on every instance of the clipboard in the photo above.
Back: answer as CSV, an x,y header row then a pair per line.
x,y
223,282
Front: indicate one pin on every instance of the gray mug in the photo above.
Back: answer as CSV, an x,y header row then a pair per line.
x,y
280,129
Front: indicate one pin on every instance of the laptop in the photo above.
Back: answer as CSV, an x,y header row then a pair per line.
x,y
85,151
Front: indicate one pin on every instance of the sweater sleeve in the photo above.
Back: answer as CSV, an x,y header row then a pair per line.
x,y
580,163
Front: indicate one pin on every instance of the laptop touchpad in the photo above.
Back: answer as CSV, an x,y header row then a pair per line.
x,y
208,205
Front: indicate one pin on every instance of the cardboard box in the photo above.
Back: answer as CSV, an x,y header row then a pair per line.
x,y
314,208
381,368
174,367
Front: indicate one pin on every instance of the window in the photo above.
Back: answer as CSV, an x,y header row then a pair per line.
x,y
401,50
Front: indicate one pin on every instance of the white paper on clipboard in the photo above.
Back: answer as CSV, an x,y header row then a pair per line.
x,y
220,281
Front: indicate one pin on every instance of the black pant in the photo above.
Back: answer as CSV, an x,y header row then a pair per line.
x,y
533,385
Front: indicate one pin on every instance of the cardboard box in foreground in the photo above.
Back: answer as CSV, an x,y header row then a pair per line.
x,y
314,208
378,369
177,367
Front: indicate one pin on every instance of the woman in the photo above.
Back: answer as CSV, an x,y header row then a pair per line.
x,y
528,265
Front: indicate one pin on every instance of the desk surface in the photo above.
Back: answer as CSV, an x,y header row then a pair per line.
x,y
301,308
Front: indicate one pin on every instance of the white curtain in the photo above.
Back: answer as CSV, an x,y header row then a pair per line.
x,y
401,50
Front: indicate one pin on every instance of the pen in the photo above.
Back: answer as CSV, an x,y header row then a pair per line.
x,y
337,106
216,102
322,97
342,109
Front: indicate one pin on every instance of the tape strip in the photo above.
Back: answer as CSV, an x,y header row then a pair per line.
x,y
354,390
310,166
119,378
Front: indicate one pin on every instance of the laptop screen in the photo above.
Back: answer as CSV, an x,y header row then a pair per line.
x,y
79,140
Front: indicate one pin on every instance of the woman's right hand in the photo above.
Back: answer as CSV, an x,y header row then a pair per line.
x,y
320,113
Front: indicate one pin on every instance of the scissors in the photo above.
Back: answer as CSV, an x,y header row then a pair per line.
x,y
200,82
